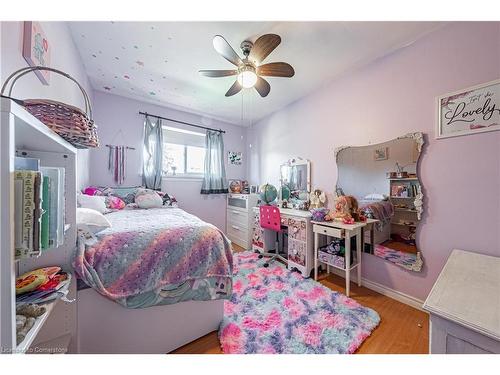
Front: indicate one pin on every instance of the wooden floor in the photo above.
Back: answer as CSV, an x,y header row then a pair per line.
x,y
402,329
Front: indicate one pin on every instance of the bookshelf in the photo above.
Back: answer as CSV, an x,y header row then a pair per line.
x,y
21,134
403,193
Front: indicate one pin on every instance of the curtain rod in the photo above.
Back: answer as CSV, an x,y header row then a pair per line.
x,y
182,122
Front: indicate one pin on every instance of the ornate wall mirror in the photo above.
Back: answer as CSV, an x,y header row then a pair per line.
x,y
384,179
295,182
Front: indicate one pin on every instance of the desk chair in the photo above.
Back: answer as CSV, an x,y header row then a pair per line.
x,y
270,219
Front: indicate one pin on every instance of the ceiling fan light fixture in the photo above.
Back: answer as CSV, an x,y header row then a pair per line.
x,y
247,78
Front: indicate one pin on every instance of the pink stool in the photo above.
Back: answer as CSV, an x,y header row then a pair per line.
x,y
270,218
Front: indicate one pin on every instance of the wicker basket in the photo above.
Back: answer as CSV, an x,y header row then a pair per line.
x,y
71,123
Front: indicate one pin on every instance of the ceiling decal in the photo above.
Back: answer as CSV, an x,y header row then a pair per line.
x,y
158,62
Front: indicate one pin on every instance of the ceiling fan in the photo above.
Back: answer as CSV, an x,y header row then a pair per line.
x,y
249,70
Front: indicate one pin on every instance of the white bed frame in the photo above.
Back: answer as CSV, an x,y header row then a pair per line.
x,y
107,327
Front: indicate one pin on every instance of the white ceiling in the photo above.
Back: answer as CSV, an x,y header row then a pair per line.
x,y
159,61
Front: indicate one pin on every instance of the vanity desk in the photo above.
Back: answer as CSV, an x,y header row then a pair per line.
x,y
299,238
338,229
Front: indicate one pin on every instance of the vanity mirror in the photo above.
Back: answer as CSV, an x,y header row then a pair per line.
x,y
295,183
384,179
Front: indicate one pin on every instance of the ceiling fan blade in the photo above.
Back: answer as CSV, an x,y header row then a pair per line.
x,y
218,73
262,87
234,89
225,50
276,69
263,46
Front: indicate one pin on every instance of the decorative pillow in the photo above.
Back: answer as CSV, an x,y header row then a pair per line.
x,y
375,197
114,203
97,190
126,194
94,202
168,200
147,198
89,220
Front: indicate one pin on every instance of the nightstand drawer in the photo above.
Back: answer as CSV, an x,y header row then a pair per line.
x,y
237,231
238,218
328,231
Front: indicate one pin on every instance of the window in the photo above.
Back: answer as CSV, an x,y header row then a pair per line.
x,y
183,152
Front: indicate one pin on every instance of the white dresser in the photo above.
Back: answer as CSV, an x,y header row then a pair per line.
x,y
239,218
464,305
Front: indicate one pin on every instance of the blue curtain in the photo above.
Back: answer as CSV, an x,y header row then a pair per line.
x,y
152,153
214,181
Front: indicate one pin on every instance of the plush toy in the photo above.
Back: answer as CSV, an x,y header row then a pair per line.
x,y
347,210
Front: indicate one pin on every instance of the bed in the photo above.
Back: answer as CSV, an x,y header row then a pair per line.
x,y
155,280
382,210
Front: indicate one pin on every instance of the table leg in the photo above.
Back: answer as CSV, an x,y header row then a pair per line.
x,y
372,237
327,265
359,244
347,262
315,256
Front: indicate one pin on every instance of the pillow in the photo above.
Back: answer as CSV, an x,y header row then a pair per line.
x,y
147,198
375,197
168,200
114,203
126,194
97,190
94,202
89,220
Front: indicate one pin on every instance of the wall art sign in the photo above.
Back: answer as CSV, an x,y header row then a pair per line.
x,y
234,157
472,110
36,49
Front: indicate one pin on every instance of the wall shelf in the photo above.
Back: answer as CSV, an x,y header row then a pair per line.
x,y
21,133
23,346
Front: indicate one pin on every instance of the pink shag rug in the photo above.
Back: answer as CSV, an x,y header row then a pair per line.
x,y
273,310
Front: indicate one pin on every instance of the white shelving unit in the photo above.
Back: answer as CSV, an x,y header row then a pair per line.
x,y
21,134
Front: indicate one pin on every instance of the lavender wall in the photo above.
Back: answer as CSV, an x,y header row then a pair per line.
x,y
114,113
390,97
64,57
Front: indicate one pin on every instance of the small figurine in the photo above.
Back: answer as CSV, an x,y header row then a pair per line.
x,y
317,198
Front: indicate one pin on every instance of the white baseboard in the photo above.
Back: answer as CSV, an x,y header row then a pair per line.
x,y
386,291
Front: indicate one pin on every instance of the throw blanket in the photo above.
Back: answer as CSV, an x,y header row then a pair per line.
x,y
380,210
156,256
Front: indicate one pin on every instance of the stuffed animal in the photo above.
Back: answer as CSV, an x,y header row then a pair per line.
x,y
346,210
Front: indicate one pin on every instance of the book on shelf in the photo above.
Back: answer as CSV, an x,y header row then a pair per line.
x,y
38,207
26,164
56,205
44,236
24,213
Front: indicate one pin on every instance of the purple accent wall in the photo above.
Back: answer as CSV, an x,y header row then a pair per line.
x,y
390,97
113,113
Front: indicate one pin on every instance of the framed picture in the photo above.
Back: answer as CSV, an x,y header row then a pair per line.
x,y
36,49
381,153
234,157
472,110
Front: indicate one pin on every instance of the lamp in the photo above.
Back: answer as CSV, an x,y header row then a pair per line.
x,y
247,77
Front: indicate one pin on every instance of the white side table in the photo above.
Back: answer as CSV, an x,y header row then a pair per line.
x,y
346,231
